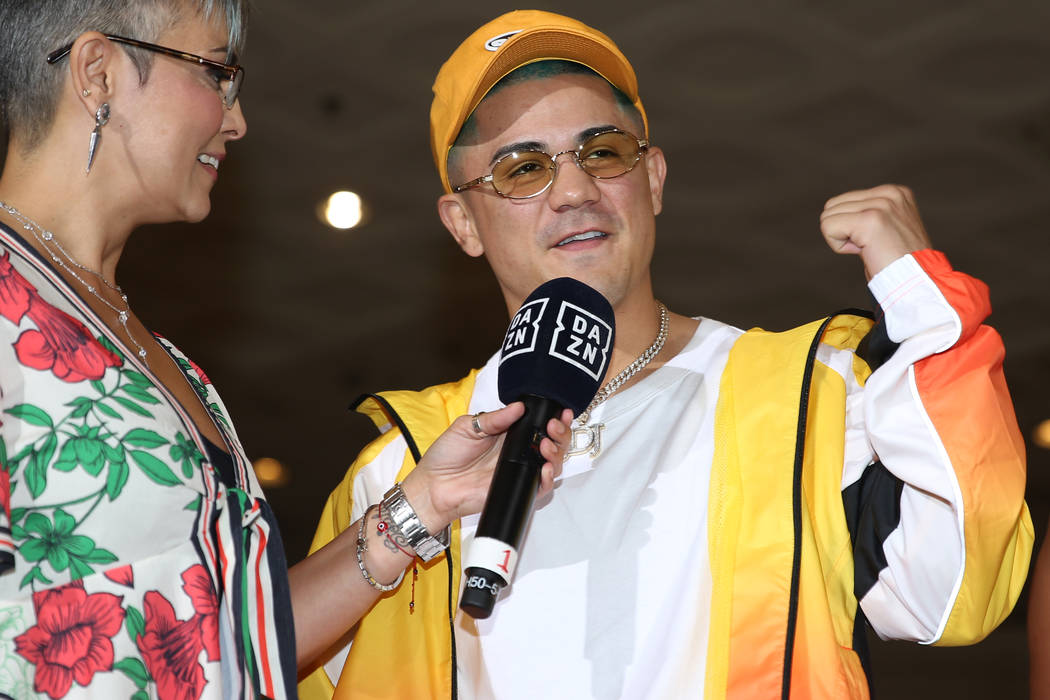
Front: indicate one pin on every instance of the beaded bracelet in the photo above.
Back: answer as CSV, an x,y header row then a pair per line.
x,y
362,547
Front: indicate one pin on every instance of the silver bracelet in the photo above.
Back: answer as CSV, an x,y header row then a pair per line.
x,y
362,547
404,521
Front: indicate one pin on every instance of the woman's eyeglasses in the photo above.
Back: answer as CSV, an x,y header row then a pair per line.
x,y
228,79
524,174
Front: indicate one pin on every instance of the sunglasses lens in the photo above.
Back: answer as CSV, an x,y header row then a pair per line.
x,y
609,155
522,174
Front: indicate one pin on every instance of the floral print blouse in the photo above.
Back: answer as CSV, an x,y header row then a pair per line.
x,y
136,560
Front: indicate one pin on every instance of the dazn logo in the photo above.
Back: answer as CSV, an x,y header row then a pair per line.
x,y
582,339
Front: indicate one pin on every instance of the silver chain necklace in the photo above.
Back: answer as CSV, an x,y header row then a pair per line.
x,y
44,237
632,369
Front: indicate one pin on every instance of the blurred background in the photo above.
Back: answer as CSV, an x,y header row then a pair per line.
x,y
764,109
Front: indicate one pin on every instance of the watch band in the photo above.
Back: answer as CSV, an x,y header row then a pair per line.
x,y
404,520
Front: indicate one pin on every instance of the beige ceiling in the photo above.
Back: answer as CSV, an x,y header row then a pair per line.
x,y
765,110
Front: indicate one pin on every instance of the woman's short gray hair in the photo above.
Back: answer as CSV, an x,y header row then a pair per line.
x,y
34,28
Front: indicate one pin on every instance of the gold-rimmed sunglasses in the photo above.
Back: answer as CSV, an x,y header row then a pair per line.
x,y
524,174
228,79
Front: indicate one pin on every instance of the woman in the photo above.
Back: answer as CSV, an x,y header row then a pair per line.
x,y
138,557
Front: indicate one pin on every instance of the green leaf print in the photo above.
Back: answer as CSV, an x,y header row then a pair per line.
x,y
36,475
140,437
132,406
31,414
108,410
134,623
78,569
67,458
133,669
137,378
194,505
38,523
218,413
137,392
56,543
116,479
89,454
186,452
113,454
99,387
48,450
97,555
154,468
104,342
140,695
35,574
82,406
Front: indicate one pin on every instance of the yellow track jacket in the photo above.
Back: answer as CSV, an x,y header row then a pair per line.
x,y
784,610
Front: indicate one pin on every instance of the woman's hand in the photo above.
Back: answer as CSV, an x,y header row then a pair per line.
x,y
452,480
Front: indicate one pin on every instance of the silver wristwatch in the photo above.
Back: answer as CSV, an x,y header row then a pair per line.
x,y
404,520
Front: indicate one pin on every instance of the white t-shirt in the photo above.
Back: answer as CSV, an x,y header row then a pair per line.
x,y
611,594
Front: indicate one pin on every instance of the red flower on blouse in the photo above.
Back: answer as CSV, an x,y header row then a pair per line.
x,y
59,343
170,647
72,638
122,575
15,291
197,585
63,345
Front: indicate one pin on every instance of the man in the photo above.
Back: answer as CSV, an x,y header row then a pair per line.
x,y
724,510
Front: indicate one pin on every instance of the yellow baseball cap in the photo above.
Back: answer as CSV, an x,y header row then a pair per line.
x,y
505,44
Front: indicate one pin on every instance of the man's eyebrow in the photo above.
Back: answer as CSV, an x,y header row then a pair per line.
x,y
594,131
512,147
537,146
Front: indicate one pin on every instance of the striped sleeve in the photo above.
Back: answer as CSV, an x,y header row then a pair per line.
x,y
944,471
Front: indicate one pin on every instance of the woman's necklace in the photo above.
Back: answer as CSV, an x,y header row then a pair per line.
x,y
44,238
588,438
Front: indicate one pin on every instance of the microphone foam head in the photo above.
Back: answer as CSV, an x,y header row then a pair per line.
x,y
558,345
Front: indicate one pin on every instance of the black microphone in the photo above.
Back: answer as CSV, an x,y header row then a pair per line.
x,y
554,356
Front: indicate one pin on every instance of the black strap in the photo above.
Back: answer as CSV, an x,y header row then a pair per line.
x,y
413,449
394,418
796,496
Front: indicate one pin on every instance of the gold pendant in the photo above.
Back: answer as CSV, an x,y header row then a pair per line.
x,y
586,440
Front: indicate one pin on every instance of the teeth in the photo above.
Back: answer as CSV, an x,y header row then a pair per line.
x,y
208,160
585,236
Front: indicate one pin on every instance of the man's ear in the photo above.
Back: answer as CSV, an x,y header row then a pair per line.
x,y
656,165
93,65
456,217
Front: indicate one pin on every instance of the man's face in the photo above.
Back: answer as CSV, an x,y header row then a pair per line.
x,y
600,232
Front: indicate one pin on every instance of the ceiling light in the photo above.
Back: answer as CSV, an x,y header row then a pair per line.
x,y
1041,435
270,472
343,210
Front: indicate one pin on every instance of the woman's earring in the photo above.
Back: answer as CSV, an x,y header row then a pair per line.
x,y
85,92
101,119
